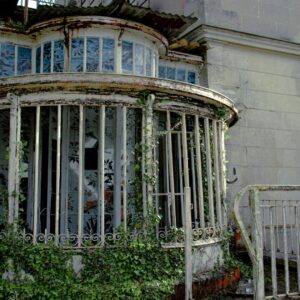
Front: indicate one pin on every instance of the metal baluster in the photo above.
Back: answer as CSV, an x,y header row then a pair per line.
x,y
125,167
286,258
209,173
199,173
171,169
81,173
58,162
273,254
36,173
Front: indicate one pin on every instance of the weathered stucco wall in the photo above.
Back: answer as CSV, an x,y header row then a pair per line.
x,y
274,18
264,145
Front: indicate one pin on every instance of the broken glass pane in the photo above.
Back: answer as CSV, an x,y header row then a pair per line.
x,y
148,62
47,58
7,60
171,73
162,72
108,61
180,76
191,77
139,59
127,57
24,61
77,55
92,55
58,59
38,60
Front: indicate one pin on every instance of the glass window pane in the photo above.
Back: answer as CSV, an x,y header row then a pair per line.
x,y
24,61
38,60
180,75
47,58
139,59
92,55
108,55
127,57
77,55
148,62
171,73
58,59
191,77
162,72
7,60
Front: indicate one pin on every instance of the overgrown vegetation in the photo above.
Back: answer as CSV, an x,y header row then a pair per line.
x,y
134,269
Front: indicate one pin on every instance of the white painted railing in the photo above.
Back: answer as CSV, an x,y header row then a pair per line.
x,y
274,233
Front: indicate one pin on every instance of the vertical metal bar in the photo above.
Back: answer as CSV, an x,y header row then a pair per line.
x,y
188,245
199,173
149,147
125,167
14,157
209,173
81,173
180,177
258,265
171,169
58,165
167,182
143,165
297,245
36,172
29,214
185,153
195,204
101,187
18,161
286,258
273,254
49,175
221,139
117,167
65,169
216,172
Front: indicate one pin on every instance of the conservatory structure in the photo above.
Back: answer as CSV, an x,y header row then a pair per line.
x,y
101,122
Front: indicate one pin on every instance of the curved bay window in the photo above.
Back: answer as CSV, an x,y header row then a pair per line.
x,y
81,168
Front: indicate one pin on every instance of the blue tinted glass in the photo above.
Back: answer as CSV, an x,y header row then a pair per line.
x,y
92,54
171,73
58,59
38,60
139,59
162,72
148,61
77,55
108,54
47,58
24,61
191,77
127,57
7,60
180,75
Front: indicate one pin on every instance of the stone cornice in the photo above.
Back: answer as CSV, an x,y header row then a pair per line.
x,y
207,34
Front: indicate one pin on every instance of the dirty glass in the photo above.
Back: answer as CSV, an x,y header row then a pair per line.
x,y
191,77
171,73
77,55
47,58
38,60
148,62
24,61
139,59
7,60
58,59
127,57
92,54
162,72
108,54
180,75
